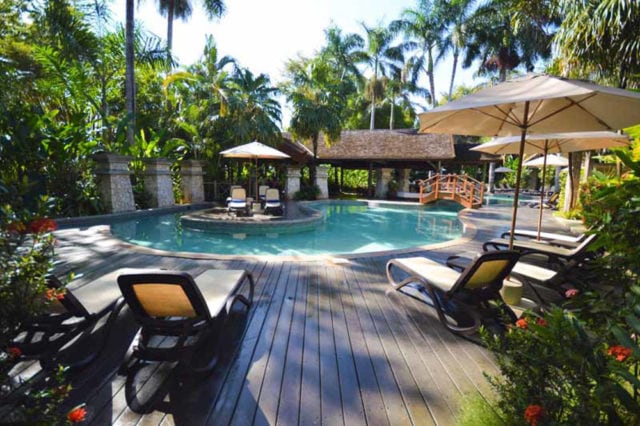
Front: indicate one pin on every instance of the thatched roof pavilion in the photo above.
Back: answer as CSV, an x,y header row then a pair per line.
x,y
381,148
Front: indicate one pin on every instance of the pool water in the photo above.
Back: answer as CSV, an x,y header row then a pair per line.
x,y
347,228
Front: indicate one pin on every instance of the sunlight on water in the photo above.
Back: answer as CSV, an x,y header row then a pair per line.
x,y
347,228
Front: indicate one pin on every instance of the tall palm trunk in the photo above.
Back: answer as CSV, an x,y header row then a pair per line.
x,y
312,166
170,14
391,118
456,54
432,85
130,91
372,123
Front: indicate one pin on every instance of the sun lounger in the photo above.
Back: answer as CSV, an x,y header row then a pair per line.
x,y
463,300
180,316
75,316
273,204
238,203
553,253
549,237
262,194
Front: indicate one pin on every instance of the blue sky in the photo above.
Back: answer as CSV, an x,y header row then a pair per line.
x,y
263,35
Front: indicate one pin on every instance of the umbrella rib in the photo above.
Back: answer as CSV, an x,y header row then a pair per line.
x,y
497,117
569,105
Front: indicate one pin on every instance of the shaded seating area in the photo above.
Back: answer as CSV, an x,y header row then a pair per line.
x,y
464,300
182,319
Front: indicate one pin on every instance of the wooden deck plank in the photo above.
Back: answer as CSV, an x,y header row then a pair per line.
x,y
331,395
374,408
394,404
310,393
271,389
352,407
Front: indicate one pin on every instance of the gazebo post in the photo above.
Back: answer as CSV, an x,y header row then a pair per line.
x,y
370,179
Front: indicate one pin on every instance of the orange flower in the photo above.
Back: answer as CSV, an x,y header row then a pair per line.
x,y
14,352
16,228
533,413
620,352
542,322
77,415
42,225
54,294
522,323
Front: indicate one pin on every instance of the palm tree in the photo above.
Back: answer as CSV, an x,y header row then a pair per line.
x,y
399,87
343,52
182,9
318,99
455,14
130,92
381,56
601,38
424,27
504,34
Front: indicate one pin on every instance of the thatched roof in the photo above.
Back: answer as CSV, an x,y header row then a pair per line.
x,y
381,146
464,155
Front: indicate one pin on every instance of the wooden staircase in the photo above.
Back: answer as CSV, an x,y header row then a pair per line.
x,y
459,188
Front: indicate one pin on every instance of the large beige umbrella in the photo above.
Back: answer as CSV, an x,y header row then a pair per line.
x,y
535,104
254,150
545,143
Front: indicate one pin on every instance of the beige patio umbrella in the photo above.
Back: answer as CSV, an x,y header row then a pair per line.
x,y
553,143
535,104
254,150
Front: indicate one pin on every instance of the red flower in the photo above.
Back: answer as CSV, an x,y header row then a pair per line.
x,y
14,352
542,322
77,415
533,413
54,294
40,226
571,293
16,228
620,352
522,323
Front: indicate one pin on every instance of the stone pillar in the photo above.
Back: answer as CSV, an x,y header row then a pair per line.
x,y
382,185
403,178
192,182
556,180
157,182
293,182
322,177
114,182
492,176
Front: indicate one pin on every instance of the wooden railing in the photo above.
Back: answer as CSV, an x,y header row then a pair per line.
x,y
459,188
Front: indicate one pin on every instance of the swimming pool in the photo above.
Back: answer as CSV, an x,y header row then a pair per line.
x,y
348,227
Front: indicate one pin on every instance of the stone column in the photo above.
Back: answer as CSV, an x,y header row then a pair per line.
x,y
192,182
322,177
403,183
382,185
293,182
492,176
157,182
114,182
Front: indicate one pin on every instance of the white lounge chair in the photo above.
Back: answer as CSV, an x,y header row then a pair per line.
x,y
238,203
272,202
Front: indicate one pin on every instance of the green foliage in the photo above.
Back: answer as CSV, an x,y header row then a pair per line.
x,y
477,411
307,192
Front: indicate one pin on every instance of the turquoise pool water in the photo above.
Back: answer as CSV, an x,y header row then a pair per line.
x,y
508,199
347,228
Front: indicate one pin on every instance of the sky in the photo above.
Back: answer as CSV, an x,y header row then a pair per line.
x,y
263,35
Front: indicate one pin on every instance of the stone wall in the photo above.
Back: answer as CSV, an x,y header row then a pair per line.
x,y
114,182
192,181
157,182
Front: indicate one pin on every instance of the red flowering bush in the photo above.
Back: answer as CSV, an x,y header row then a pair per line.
x,y
620,353
77,415
533,414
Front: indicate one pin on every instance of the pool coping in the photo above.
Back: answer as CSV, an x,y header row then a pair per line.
x,y
468,234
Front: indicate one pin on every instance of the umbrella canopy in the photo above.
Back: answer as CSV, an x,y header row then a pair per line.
x,y
535,104
547,161
503,169
555,142
254,150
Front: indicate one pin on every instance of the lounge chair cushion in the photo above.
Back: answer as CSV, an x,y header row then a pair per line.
x,y
439,275
216,285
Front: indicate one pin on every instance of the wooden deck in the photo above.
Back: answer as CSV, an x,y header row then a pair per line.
x,y
324,343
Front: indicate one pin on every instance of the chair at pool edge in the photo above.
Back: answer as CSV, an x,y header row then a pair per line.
x,y
262,194
273,204
51,337
472,295
238,203
173,304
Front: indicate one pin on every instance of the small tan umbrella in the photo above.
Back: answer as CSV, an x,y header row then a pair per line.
x,y
543,161
553,142
534,104
254,150
503,169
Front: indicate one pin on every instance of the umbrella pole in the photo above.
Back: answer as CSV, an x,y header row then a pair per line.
x,y
544,175
256,196
516,194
